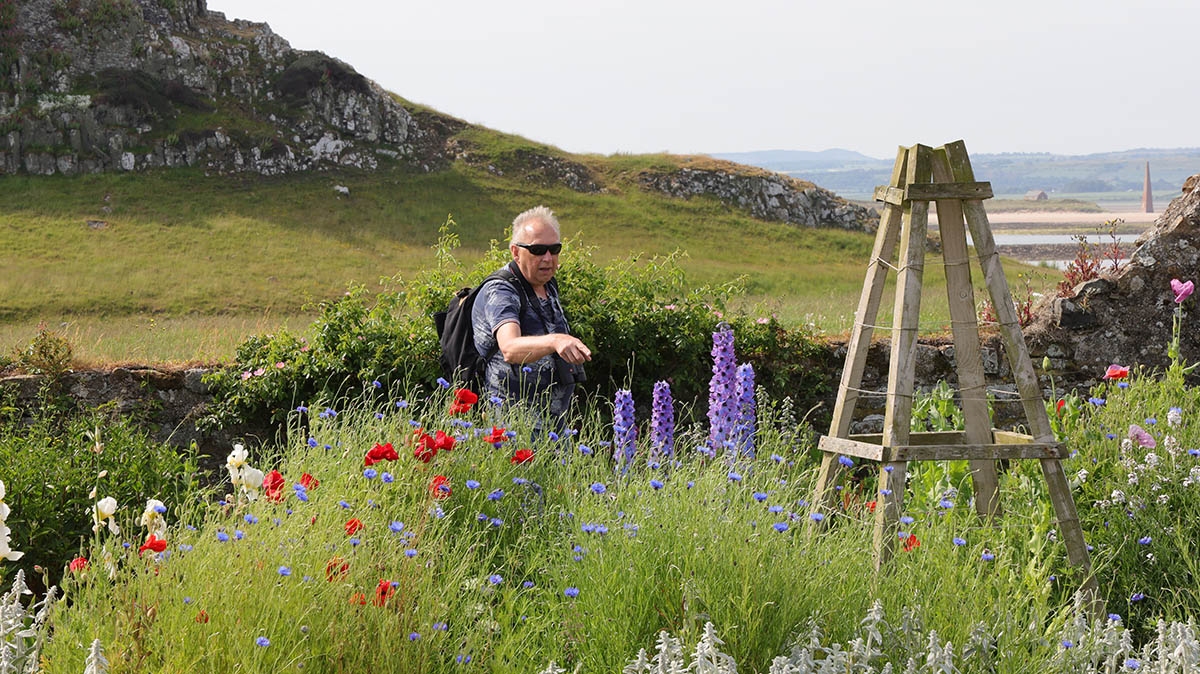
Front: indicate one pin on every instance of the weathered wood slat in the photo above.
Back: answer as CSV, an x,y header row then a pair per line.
x,y
890,195
862,450
1009,437
945,189
984,452
860,340
918,438
964,326
902,367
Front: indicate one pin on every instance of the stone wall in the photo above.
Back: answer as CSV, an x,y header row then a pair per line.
x,y
770,196
1126,318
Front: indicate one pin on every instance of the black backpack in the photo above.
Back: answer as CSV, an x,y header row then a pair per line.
x,y
461,363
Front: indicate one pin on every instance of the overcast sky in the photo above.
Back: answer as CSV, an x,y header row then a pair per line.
x,y
739,75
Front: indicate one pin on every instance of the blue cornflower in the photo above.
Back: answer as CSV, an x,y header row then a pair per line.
x,y
1114,617
410,553
780,526
526,369
520,480
401,404
1111,436
690,484
599,488
946,503
312,442
187,600
237,533
1067,644
441,626
846,461
987,556
301,408
527,584
906,520
302,495
497,522
1194,452
1145,540
584,449
775,509
160,509
413,636
482,517
1130,663
355,542
263,641
250,519
1096,401
387,477
776,458
472,484
376,384
1122,384
885,492
285,571
495,579
185,547
379,415
958,541
396,527
759,496
443,383
571,592
817,517
343,504
657,484
1150,421
1137,596
463,659
370,473
735,477
330,412
495,495
553,436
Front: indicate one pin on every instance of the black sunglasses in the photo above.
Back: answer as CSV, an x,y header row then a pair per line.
x,y
540,249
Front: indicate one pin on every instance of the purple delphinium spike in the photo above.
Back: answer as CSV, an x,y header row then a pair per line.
x,y
624,429
743,435
662,422
721,410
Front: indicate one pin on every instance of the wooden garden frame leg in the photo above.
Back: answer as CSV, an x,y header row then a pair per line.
x,y
902,366
964,325
1023,374
860,341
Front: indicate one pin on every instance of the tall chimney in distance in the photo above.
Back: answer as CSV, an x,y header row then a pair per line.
x,y
1147,198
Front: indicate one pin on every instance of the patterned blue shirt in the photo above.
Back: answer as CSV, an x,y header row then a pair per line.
x,y
531,385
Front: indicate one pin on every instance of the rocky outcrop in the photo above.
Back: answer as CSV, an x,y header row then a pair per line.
x,y
766,195
126,85
1127,318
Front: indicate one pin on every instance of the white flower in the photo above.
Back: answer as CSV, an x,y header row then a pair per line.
x,y
252,479
153,520
1172,445
4,509
103,510
1081,476
5,551
1118,496
1174,417
1133,478
1126,445
1151,460
237,457
1163,498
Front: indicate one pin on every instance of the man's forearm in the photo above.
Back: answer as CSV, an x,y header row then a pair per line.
x,y
526,349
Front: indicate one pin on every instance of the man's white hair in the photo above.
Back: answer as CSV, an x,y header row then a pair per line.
x,y
537,213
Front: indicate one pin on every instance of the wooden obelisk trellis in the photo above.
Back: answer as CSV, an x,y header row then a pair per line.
x,y
922,174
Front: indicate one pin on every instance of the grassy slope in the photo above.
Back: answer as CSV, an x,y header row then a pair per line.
x,y
232,255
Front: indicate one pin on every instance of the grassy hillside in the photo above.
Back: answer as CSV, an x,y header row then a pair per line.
x,y
216,257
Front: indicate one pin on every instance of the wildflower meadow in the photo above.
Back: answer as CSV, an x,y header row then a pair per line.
x,y
432,530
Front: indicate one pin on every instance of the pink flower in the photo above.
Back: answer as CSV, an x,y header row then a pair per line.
x,y
246,375
670,307
259,372
1141,437
280,365
762,321
1182,290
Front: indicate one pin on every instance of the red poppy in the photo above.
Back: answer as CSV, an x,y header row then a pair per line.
x,y
353,526
309,482
911,542
1059,406
521,456
383,592
496,437
152,544
871,506
439,486
333,571
78,564
379,453
358,598
202,616
1116,372
273,486
443,441
463,400
425,453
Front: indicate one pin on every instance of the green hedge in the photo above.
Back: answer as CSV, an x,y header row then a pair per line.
x,y
643,321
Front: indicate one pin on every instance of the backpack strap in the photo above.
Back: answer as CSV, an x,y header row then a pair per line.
x,y
505,273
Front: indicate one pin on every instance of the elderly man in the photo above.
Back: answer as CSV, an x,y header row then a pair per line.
x,y
535,361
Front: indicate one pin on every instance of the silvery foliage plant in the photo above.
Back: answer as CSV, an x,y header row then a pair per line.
x,y
23,630
1083,646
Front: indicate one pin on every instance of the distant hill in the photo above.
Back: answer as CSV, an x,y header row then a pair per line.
x,y
855,175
